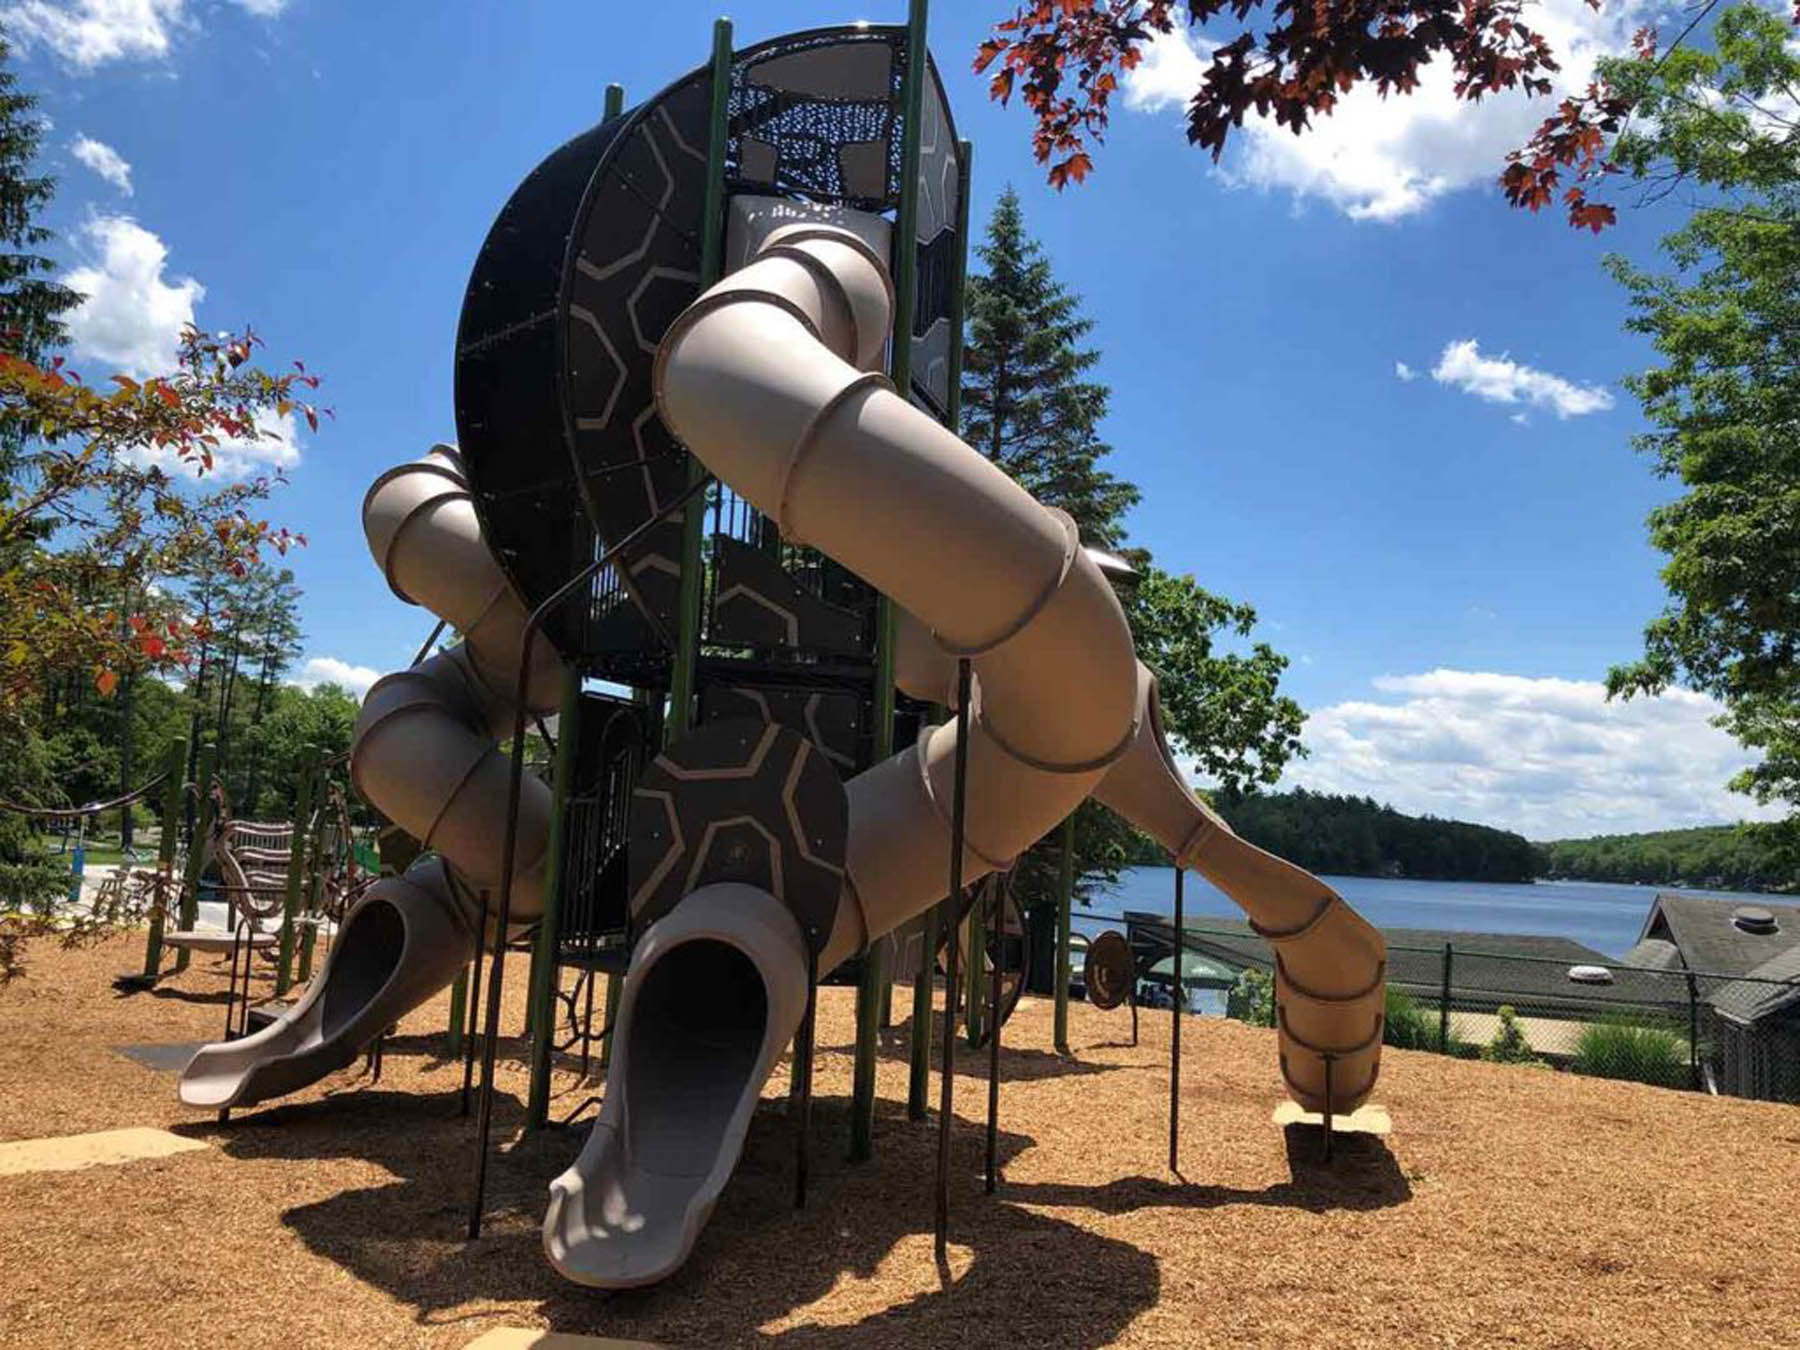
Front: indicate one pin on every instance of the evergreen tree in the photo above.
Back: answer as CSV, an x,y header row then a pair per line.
x,y
31,304
1026,403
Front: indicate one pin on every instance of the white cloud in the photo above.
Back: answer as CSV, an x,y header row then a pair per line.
x,y
1520,419
1549,758
103,160
88,34
1383,159
130,320
1497,379
320,670
1404,371
132,315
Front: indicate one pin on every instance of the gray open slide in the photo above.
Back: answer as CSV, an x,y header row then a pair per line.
x,y
768,378
425,754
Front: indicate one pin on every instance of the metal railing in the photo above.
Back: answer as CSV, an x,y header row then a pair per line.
x,y
1710,1031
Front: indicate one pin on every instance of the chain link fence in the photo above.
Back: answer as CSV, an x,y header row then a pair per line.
x,y
1732,1035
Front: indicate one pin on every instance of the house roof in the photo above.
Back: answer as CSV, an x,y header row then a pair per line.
x,y
1653,954
1753,998
1701,929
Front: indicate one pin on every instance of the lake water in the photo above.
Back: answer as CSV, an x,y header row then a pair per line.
x,y
1605,917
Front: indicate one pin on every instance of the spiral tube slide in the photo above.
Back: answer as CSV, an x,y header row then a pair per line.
x,y
425,755
1330,963
766,378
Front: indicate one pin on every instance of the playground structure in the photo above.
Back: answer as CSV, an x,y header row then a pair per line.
x,y
740,302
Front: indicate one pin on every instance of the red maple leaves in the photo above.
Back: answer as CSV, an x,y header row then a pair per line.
x,y
1067,57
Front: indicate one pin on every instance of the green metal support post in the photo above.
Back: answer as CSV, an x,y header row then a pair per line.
x,y
296,882
459,1005
549,934
203,823
315,844
906,284
975,976
693,515
1065,895
173,763
920,1066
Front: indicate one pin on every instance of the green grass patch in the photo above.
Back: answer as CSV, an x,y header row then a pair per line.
x,y
1636,1052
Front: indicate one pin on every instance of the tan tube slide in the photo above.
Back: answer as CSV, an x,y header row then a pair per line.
x,y
1330,963
765,379
425,755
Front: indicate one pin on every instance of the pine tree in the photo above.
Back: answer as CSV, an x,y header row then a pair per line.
x,y
31,304
1026,403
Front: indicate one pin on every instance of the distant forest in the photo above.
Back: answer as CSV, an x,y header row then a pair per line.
x,y
1716,857
1356,836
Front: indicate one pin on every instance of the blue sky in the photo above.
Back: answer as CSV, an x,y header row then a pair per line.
x,y
1452,559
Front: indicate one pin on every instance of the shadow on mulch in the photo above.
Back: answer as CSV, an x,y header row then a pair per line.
x,y
1362,1175
759,1259
1023,1065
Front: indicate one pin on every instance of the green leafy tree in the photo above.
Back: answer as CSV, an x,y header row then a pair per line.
x,y
1724,401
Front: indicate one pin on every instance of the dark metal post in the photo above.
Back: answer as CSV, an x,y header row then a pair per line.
x,y
542,1001
1444,1007
712,265
296,881
996,926
1330,1064
1175,1023
947,1075
509,851
1694,1033
472,974
919,1068
874,977
803,1076
1065,895
173,797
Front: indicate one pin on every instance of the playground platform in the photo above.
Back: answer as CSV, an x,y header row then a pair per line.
x,y
1506,1206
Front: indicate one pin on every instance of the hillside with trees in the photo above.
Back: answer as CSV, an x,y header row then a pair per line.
x,y
1714,857
1358,837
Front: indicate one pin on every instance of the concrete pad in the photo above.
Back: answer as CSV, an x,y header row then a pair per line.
x,y
1367,1119
524,1338
71,1152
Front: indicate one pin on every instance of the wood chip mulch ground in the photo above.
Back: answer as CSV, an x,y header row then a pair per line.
x,y
1509,1206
